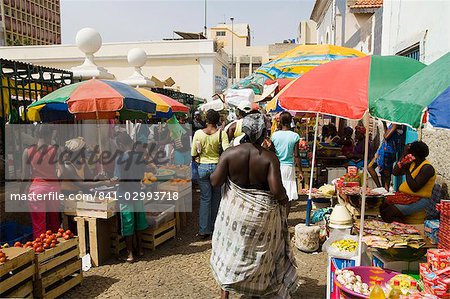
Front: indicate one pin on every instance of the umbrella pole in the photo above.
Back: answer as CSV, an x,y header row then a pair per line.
x,y
313,161
99,136
364,187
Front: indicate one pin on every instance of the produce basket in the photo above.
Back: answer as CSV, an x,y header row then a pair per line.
x,y
165,174
368,275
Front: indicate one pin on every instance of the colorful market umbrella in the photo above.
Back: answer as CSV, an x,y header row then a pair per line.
x,y
428,91
163,109
176,106
92,99
346,88
294,63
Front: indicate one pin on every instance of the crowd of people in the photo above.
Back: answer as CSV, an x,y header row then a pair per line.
x,y
247,172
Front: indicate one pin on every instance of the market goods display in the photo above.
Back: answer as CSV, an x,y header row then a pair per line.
x,y
435,274
3,257
46,241
351,281
348,245
379,234
326,191
149,178
406,284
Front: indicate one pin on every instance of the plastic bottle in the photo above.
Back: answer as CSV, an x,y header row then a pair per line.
x,y
377,291
395,293
413,287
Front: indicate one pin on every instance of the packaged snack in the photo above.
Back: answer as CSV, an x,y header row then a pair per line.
x,y
438,258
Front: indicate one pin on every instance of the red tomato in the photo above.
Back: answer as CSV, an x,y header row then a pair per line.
x,y
39,249
29,243
2,259
61,230
46,246
49,232
59,235
38,240
42,236
68,232
53,245
2,254
66,237
17,244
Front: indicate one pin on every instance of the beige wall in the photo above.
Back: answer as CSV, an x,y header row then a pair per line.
x,y
193,65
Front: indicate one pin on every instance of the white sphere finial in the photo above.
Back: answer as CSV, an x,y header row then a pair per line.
x,y
137,57
88,40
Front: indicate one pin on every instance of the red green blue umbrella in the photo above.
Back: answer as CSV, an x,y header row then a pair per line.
x,y
92,99
348,87
427,92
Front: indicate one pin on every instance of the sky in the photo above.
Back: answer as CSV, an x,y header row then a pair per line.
x,y
118,21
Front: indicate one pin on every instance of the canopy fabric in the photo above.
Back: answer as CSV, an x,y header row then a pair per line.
x,y
427,90
347,87
92,99
294,63
176,106
163,109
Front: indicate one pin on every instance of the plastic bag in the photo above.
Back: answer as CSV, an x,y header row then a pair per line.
x,y
336,252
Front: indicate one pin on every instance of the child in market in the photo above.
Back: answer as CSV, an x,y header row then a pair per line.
x,y
129,170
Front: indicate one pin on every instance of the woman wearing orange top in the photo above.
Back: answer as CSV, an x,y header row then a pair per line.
x,y
415,192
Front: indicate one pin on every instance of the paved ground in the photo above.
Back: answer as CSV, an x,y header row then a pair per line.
x,y
180,269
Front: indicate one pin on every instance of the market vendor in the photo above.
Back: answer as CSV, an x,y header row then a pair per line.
x,y
356,158
75,173
386,155
128,172
332,136
415,192
346,141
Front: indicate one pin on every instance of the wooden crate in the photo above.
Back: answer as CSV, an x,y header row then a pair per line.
x,y
177,187
117,244
57,269
96,209
152,238
17,273
94,235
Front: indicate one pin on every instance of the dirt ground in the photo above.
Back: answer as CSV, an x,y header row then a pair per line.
x,y
180,269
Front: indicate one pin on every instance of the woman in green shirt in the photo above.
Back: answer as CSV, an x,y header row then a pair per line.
x,y
207,145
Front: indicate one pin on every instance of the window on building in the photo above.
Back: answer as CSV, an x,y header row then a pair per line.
x,y
411,52
255,66
220,33
244,70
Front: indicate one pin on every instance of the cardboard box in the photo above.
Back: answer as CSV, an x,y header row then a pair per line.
x,y
431,230
334,264
382,261
438,258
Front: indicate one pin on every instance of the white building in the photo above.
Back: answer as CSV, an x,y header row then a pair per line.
x,y
350,23
418,29
307,33
195,65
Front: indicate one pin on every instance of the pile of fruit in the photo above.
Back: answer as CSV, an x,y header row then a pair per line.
x,y
345,245
3,257
149,178
46,241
